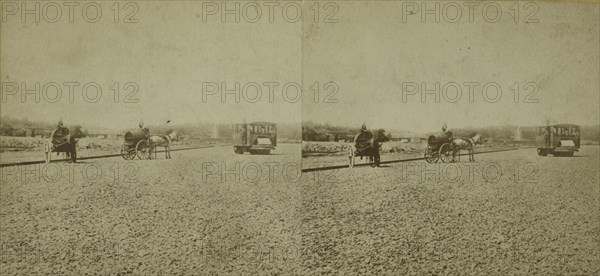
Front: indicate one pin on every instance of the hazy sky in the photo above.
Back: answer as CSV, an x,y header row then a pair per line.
x,y
369,54
169,54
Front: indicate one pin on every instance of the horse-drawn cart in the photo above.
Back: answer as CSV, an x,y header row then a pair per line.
x,y
136,143
439,147
62,141
366,145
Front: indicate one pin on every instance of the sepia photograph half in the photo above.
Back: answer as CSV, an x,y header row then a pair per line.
x,y
314,137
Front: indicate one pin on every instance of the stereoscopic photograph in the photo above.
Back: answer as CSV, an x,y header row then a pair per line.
x,y
307,137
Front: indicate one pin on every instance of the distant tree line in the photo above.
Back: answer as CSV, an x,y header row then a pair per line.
x,y
527,133
590,133
23,127
19,127
307,131
220,131
326,132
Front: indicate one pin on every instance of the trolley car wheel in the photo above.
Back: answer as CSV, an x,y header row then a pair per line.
x,y
260,152
563,154
446,153
127,153
542,152
142,149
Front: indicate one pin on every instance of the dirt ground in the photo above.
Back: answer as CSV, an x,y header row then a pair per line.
x,y
152,217
509,213
212,212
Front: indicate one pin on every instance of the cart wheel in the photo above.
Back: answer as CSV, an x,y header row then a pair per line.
x,y
431,156
446,153
127,153
142,149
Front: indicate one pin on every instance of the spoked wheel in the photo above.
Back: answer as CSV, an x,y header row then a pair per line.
x,y
142,149
431,156
446,153
127,152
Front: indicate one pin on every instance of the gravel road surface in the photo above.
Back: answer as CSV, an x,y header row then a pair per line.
x,y
509,213
153,217
210,211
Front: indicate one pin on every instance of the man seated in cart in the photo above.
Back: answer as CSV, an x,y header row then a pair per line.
x,y
61,134
369,145
145,130
364,138
446,131
61,140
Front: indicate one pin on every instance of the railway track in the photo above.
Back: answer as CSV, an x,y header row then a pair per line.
x,y
394,161
23,163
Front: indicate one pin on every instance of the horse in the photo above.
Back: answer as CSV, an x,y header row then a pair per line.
x,y
162,141
468,144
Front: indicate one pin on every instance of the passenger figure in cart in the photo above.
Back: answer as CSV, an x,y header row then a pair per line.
x,y
447,131
144,129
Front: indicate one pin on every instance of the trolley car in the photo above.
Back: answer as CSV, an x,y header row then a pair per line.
x,y
558,140
255,138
